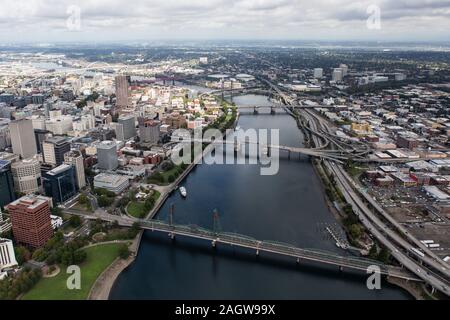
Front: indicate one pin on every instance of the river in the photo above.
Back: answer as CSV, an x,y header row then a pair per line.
x,y
288,207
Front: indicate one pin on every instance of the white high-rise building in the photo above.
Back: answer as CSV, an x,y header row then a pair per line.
x,y
344,68
75,158
7,255
318,73
338,75
22,138
27,175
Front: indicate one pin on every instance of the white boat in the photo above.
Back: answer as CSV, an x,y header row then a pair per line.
x,y
183,191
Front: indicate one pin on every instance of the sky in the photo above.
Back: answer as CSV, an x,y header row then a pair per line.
x,y
131,20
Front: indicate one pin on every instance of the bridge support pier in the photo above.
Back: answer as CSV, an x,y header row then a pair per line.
x,y
298,260
272,110
172,235
257,252
255,110
433,290
341,268
213,243
289,155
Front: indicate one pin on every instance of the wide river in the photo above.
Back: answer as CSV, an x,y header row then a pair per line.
x,y
287,207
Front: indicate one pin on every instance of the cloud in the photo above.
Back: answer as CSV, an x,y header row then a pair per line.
x,y
45,20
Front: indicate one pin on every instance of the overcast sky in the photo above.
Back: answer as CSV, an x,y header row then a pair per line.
x,y
118,20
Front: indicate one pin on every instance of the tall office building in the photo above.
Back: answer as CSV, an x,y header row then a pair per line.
x,y
54,148
129,126
6,183
149,131
107,155
75,158
122,83
60,183
40,136
22,138
344,69
118,129
27,175
338,75
31,222
318,73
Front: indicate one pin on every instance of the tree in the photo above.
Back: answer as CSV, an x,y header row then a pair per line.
x,y
355,231
373,252
82,199
75,221
22,255
384,255
124,252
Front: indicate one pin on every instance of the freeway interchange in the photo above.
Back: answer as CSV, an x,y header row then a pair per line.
x,y
429,267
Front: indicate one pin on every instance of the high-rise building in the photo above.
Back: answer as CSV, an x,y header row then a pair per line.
x,y
118,129
27,175
107,155
7,255
129,126
122,83
59,183
54,148
40,136
75,158
344,69
149,131
5,136
318,73
6,183
22,138
338,75
31,222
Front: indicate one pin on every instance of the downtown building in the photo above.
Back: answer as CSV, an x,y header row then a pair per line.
x,y
22,138
75,158
6,183
60,183
54,149
107,155
30,219
149,131
128,123
122,90
7,257
27,175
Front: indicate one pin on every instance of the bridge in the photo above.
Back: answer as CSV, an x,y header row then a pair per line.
x,y
237,240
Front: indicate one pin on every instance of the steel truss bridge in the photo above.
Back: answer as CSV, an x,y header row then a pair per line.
x,y
279,248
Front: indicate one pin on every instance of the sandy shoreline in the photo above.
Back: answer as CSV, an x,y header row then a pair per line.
x,y
104,283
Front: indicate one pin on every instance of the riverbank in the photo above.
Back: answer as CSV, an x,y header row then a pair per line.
x,y
104,283
170,188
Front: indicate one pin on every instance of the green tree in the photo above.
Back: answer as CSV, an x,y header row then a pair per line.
x,y
124,252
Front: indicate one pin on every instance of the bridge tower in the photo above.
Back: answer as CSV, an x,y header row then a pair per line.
x,y
272,110
216,222
171,211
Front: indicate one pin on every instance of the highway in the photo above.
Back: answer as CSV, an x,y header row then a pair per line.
x,y
384,233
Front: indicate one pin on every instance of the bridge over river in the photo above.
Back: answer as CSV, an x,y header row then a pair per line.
x,y
238,240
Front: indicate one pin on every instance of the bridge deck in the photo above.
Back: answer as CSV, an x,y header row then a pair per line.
x,y
315,255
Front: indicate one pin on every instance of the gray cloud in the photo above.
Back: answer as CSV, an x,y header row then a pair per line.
x,y
45,20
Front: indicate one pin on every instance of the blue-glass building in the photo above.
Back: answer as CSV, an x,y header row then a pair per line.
x,y
7,194
60,183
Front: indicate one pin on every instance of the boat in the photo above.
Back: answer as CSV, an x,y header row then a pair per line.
x,y
183,191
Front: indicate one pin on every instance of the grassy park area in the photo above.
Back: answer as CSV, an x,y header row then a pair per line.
x,y
98,259
139,209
